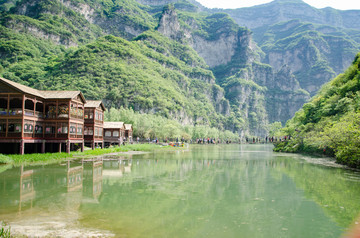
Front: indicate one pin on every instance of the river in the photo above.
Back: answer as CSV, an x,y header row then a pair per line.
x,y
206,191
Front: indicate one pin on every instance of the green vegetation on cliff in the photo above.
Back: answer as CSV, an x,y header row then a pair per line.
x,y
150,74
329,123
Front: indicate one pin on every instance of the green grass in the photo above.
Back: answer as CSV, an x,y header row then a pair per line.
x,y
49,158
4,231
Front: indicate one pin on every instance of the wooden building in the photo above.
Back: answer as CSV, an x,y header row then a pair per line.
x,y
94,124
39,121
114,132
128,132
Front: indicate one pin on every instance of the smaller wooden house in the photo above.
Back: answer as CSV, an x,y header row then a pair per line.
x,y
94,123
114,132
128,133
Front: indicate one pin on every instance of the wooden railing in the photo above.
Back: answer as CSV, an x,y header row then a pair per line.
x,y
14,134
50,135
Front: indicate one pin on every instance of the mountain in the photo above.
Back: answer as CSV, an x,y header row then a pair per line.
x,y
178,60
286,10
314,53
329,123
59,45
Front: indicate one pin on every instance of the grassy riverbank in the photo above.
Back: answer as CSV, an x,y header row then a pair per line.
x,y
57,157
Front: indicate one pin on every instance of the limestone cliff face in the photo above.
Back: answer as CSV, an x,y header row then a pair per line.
x,y
276,96
313,58
219,50
216,52
83,9
169,26
284,94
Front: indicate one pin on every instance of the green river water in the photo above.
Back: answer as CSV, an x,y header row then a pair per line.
x,y
207,191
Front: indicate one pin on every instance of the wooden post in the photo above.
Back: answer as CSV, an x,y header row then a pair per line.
x,y
68,146
82,147
93,145
43,147
22,147
23,114
8,105
60,147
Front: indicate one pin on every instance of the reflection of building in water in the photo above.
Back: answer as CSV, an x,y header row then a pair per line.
x,y
27,191
117,166
93,179
74,177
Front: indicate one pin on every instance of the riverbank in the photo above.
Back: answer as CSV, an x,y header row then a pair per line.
x,y
58,157
343,156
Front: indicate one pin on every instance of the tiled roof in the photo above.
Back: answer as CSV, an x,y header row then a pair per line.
x,y
60,94
113,124
94,104
128,126
43,94
22,88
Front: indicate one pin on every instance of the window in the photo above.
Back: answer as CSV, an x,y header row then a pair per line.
x,y
115,133
62,128
14,127
38,129
80,112
96,131
3,127
79,130
50,129
90,131
63,111
72,129
108,133
50,111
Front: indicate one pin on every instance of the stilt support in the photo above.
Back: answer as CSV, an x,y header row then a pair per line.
x,y
22,147
68,147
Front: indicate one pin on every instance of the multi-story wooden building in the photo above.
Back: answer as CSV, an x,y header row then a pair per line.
x,y
39,121
114,133
128,132
94,124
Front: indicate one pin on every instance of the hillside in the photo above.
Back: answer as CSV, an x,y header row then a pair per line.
x,y
151,73
180,61
329,123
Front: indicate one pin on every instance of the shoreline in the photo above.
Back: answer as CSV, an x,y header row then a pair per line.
x,y
49,158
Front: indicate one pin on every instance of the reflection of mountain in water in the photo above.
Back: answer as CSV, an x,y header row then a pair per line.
x,y
210,191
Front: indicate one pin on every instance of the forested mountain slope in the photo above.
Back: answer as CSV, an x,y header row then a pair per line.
x,y
179,61
150,74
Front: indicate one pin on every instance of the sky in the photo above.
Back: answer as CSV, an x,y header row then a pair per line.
x,y
337,4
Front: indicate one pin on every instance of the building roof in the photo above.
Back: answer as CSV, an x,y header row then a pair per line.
x,y
113,125
43,94
94,104
22,88
128,127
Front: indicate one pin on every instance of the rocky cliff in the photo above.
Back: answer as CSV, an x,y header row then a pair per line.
x,y
205,66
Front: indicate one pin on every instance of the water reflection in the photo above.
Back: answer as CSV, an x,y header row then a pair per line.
x,y
27,192
211,191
